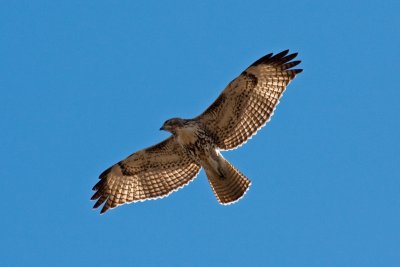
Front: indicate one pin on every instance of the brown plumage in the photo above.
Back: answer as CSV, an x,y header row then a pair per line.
x,y
245,105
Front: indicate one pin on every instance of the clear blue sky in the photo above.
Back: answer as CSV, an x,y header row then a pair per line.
x,y
85,83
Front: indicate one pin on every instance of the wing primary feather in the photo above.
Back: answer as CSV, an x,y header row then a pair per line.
x,y
105,208
291,64
272,74
262,60
297,71
288,58
105,173
96,195
278,57
97,186
141,175
99,201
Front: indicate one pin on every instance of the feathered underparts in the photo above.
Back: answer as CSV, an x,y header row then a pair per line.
x,y
243,107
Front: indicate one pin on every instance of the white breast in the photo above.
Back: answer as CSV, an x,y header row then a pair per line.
x,y
187,135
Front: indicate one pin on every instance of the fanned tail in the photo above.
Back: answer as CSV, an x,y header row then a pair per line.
x,y
229,185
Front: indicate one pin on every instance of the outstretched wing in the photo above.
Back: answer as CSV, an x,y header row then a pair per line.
x,y
150,173
249,101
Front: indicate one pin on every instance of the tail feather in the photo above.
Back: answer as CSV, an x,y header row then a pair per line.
x,y
229,185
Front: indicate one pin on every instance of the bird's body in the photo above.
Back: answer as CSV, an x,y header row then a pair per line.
x,y
246,104
198,143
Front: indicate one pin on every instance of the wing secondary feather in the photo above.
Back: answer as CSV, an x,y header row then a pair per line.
x,y
150,173
249,101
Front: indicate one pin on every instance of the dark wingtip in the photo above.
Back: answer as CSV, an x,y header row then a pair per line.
x,y
294,63
279,55
297,71
95,196
104,209
99,202
96,205
288,58
105,173
281,58
97,185
262,60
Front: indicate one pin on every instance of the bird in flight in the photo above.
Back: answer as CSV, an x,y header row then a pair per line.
x,y
243,107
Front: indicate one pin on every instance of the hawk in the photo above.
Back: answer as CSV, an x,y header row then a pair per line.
x,y
243,107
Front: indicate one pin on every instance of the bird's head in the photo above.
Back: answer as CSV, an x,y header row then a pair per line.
x,y
172,124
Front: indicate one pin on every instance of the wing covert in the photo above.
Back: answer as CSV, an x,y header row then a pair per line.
x,y
150,173
248,102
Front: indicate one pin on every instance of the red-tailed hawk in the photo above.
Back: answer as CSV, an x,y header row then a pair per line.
x,y
244,106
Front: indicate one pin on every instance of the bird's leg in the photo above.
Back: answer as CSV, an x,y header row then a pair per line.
x,y
217,164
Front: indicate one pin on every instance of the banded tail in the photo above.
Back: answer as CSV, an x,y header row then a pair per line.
x,y
229,185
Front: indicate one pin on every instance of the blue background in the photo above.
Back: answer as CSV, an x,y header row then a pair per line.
x,y
86,83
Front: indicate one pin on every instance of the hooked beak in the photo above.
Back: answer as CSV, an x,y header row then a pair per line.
x,y
162,128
